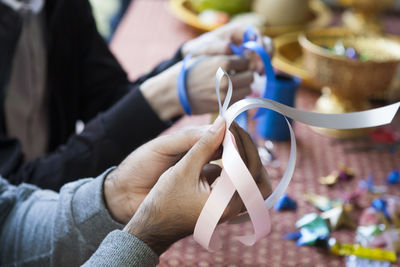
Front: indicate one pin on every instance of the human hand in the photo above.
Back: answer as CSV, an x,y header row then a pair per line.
x,y
160,91
170,211
127,185
217,42
249,153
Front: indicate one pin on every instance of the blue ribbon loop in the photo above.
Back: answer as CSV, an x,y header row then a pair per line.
x,y
250,44
181,84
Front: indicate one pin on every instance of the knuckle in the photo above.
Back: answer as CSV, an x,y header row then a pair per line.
x,y
204,143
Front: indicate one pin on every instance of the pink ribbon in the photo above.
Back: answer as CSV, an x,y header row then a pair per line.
x,y
234,177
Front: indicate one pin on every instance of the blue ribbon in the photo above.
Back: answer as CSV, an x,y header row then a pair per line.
x,y
249,43
181,84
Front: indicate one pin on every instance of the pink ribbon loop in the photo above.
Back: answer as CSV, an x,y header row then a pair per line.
x,y
234,177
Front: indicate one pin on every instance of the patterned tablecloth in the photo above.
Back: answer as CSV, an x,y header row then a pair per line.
x,y
149,33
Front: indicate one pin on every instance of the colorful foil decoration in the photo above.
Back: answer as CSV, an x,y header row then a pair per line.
x,y
343,174
320,202
236,177
329,180
338,217
312,228
344,249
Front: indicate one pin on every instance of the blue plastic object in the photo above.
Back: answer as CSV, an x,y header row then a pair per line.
x,y
380,205
393,177
292,236
272,125
285,203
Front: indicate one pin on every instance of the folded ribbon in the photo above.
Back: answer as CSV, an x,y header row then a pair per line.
x,y
236,177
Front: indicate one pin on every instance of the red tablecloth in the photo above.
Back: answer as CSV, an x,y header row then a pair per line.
x,y
148,34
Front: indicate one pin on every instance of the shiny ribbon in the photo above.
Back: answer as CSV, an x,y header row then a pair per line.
x,y
181,86
236,177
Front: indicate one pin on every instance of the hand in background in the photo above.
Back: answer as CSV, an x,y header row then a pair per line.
x,y
161,93
217,41
249,154
161,90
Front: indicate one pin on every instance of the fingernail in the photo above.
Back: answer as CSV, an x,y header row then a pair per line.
x,y
217,125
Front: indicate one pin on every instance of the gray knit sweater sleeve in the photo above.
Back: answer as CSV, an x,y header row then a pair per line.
x,y
122,249
43,228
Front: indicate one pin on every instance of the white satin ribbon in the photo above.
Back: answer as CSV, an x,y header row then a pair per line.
x,y
236,177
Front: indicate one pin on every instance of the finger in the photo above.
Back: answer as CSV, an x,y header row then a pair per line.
x,y
217,47
217,154
240,93
237,64
247,150
211,172
264,184
235,128
179,142
237,36
255,62
242,79
235,206
230,29
203,150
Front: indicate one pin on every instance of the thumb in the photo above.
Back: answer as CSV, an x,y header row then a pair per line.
x,y
204,149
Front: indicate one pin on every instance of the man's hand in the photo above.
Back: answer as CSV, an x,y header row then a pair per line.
x,y
170,211
161,93
249,154
217,42
127,186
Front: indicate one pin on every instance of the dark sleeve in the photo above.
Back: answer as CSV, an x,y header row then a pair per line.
x,y
103,78
105,141
108,137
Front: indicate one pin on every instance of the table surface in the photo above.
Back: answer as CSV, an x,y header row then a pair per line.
x,y
149,33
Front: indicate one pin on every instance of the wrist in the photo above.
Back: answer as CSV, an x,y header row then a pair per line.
x,y
115,199
161,93
148,229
